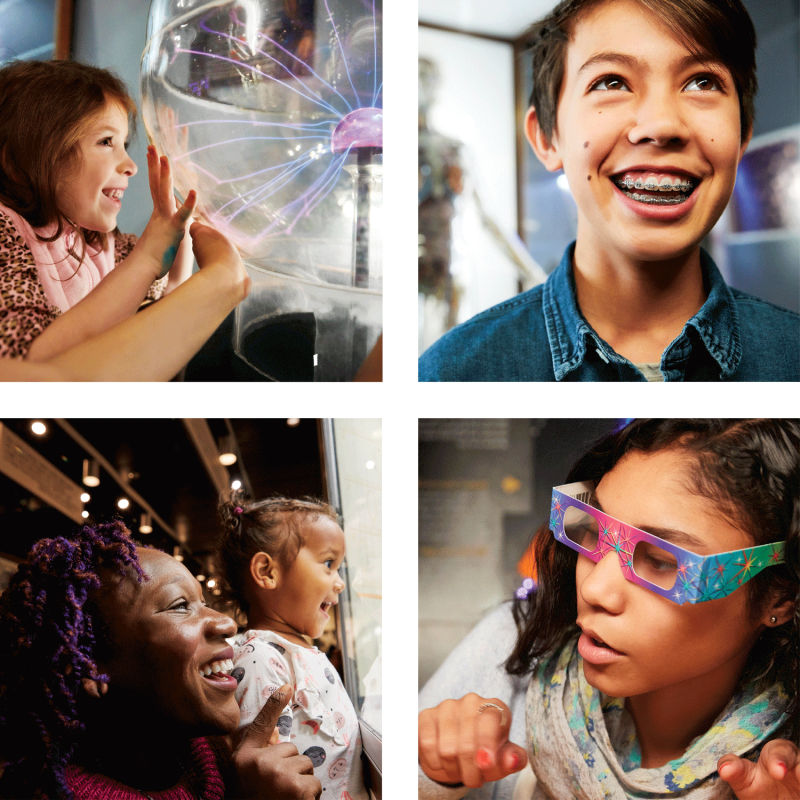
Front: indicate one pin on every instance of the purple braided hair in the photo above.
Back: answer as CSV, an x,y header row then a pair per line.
x,y
48,635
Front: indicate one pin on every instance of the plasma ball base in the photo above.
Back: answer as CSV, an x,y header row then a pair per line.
x,y
360,128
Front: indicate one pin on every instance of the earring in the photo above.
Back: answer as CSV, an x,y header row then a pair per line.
x,y
773,620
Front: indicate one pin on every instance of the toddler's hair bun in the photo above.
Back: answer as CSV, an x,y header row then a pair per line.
x,y
231,510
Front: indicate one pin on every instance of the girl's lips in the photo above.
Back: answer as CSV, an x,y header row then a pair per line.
x,y
665,213
596,654
115,201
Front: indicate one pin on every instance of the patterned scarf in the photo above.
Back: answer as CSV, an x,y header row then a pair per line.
x,y
583,743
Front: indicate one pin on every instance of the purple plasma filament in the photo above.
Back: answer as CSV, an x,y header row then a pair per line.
x,y
360,128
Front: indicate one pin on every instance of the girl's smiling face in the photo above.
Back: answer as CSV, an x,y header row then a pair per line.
x,y
700,649
634,101
311,584
90,194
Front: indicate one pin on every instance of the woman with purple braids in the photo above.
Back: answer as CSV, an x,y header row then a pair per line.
x,y
108,688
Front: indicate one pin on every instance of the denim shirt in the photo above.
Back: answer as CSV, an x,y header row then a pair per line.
x,y
541,335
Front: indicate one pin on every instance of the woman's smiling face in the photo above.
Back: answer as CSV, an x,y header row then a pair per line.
x,y
163,634
636,103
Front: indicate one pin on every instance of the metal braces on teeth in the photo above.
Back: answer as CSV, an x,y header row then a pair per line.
x,y
661,201
630,183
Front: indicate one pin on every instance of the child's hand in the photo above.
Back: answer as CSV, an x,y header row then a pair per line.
x,y
212,248
168,223
460,744
776,775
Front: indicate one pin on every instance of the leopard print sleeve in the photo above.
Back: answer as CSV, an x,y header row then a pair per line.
x,y
24,309
123,245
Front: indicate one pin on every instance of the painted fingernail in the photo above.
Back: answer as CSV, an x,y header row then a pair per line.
x,y
515,761
483,759
783,768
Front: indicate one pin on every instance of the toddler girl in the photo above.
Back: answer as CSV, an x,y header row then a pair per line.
x,y
278,561
63,171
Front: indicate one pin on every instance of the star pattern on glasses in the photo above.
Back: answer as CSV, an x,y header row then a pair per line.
x,y
699,578
619,541
721,576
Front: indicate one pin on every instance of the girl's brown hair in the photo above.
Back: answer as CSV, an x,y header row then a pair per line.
x,y
720,30
273,526
45,108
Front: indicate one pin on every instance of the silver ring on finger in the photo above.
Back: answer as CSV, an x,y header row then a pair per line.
x,y
502,711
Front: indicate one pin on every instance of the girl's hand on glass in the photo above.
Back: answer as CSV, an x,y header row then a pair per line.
x,y
212,249
170,220
775,775
460,745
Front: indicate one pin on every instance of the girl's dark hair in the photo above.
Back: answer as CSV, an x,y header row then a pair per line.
x,y
51,633
273,526
719,29
45,108
751,470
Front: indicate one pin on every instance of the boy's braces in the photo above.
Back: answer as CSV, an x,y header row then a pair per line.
x,y
652,186
660,201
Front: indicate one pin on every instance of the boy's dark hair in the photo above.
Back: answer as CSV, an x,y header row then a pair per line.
x,y
751,470
718,29
51,637
273,526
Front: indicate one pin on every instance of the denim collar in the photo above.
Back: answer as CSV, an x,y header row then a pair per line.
x,y
715,327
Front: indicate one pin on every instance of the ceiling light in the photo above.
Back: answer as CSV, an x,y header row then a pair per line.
x,y
85,497
293,422
145,525
91,472
227,450
85,514
237,484
200,578
123,503
39,428
176,553
211,583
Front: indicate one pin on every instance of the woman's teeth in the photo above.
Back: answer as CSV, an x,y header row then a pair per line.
x,y
217,666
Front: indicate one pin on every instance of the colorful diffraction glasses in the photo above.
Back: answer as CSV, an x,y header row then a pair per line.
x,y
647,560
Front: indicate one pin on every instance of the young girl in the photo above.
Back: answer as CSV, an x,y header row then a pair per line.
x,y
279,562
661,650
63,172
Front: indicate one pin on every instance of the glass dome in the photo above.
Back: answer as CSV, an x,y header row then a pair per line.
x,y
272,111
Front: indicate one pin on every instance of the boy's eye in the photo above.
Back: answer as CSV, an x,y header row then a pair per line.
x,y
610,83
702,83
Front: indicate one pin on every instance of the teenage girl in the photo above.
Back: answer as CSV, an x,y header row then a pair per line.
x,y
64,169
279,562
661,650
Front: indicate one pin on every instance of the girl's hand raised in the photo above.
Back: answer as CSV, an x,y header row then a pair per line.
x,y
776,775
466,742
168,224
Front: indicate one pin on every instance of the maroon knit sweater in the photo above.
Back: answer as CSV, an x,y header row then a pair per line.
x,y
206,766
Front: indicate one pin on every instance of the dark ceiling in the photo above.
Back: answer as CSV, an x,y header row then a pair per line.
x,y
162,464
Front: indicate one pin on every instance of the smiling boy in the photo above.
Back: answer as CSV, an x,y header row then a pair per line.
x,y
647,106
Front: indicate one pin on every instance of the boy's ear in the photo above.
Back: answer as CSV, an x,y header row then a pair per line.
x,y
544,148
745,141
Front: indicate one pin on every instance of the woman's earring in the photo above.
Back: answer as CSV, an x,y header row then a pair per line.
x,y
773,620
